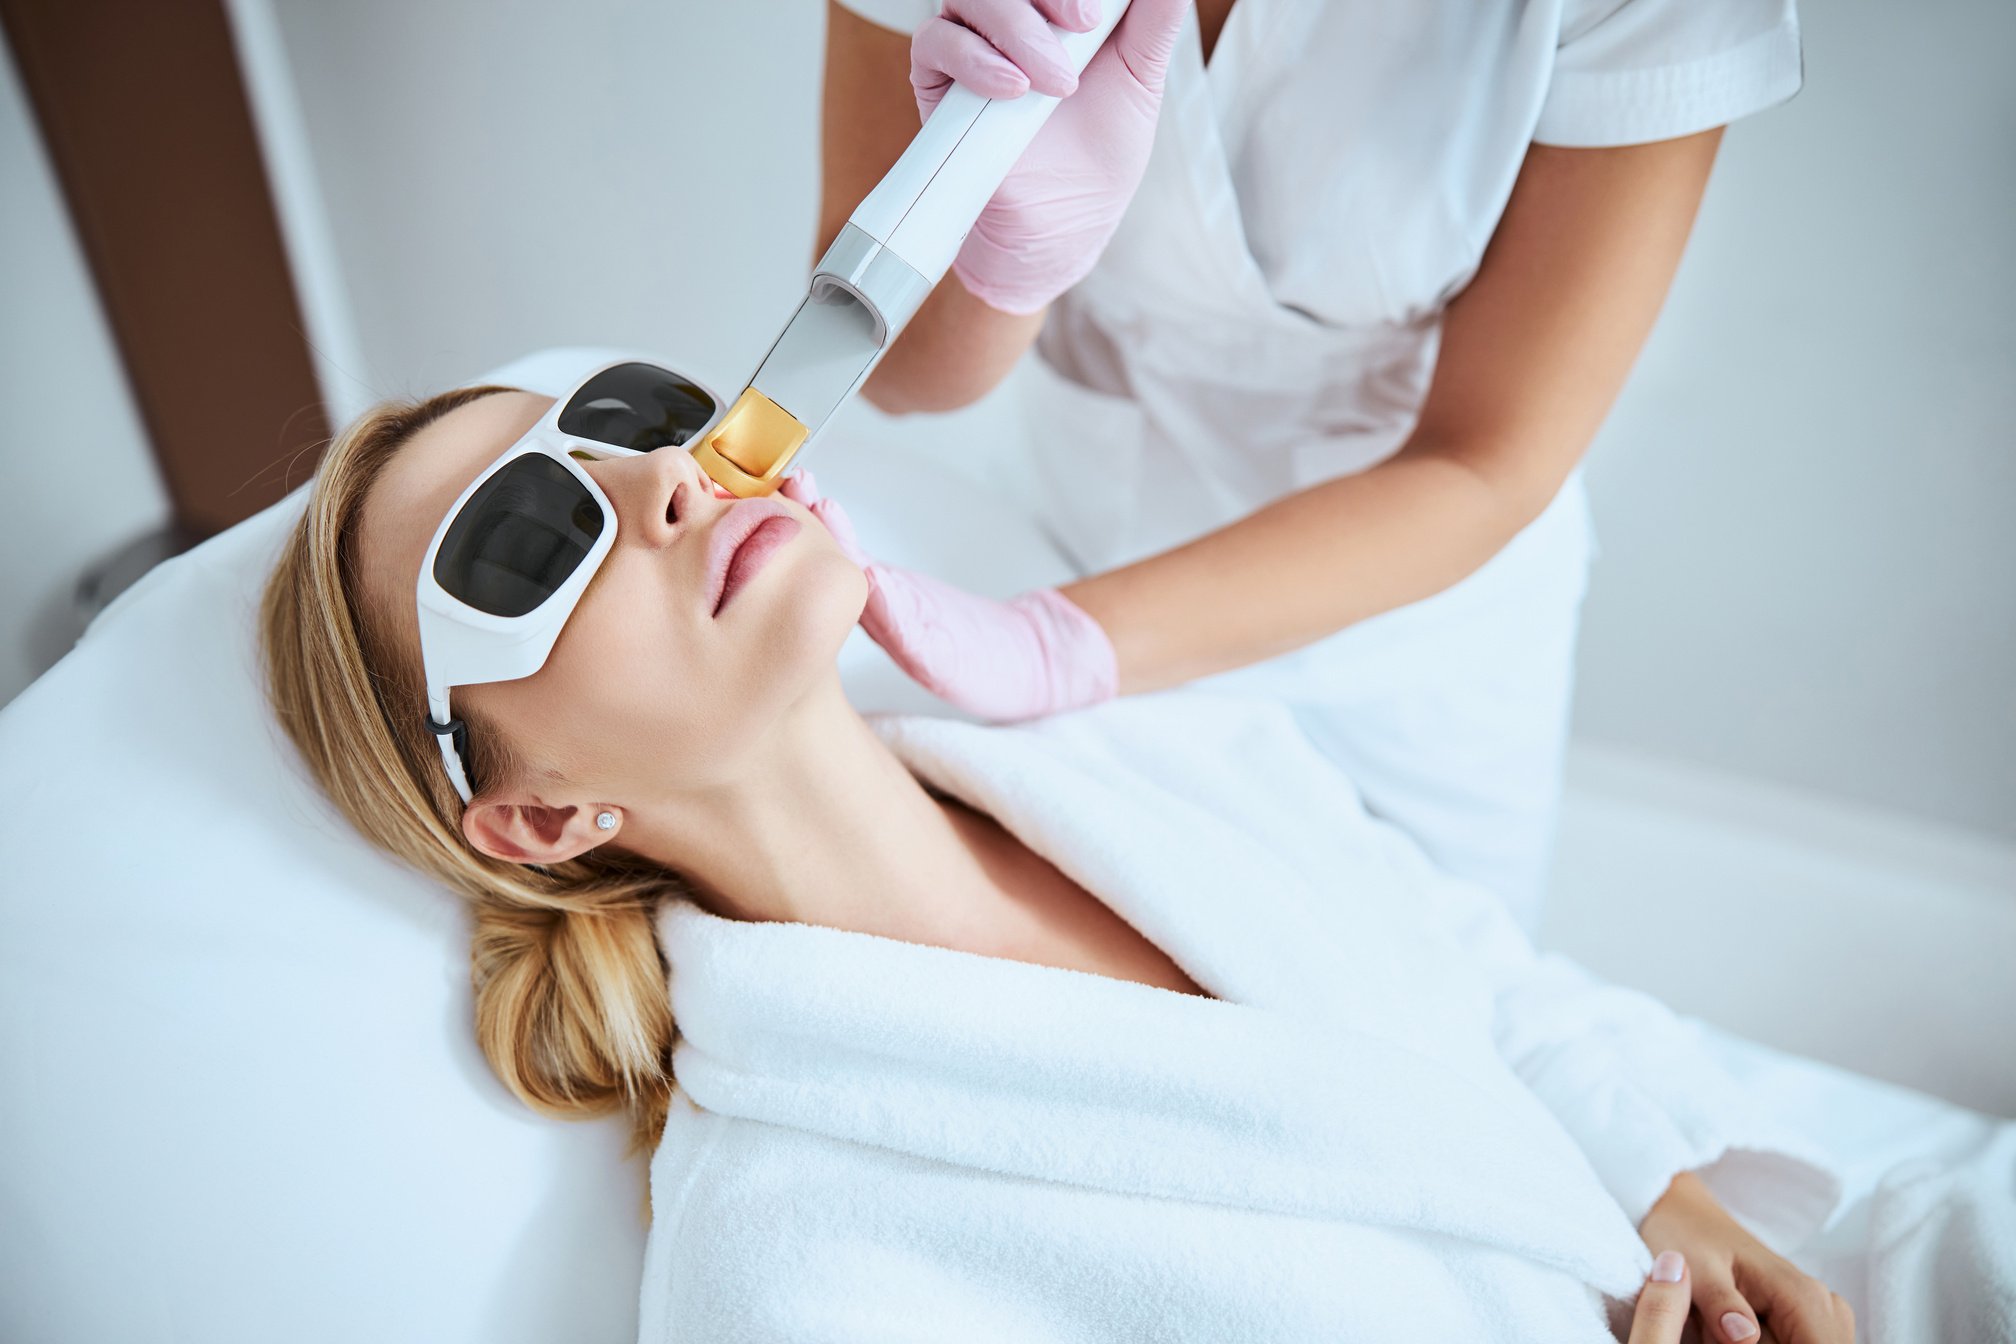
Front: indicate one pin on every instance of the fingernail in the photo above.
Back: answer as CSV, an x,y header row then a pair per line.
x,y
1670,1267
1737,1326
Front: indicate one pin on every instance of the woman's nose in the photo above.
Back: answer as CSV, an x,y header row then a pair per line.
x,y
659,496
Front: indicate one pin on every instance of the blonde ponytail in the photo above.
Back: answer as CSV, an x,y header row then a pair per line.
x,y
571,1017
571,1003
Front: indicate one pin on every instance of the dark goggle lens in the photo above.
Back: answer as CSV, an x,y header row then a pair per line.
x,y
518,538
638,406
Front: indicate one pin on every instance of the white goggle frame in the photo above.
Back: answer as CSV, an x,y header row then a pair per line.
x,y
461,645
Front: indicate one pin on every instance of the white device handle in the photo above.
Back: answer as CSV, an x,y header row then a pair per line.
x,y
926,204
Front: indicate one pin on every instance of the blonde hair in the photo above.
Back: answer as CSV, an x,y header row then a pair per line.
x,y
571,1003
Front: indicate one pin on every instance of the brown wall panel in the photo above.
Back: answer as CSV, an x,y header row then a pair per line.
x,y
143,109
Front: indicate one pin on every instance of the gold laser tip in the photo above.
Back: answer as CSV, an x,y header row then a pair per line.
x,y
752,447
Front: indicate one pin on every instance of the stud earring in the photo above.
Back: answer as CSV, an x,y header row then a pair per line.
x,y
605,821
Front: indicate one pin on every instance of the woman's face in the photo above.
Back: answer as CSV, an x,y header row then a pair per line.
x,y
649,691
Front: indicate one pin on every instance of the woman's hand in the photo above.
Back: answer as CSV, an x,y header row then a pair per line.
x,y
1033,655
1740,1284
1050,219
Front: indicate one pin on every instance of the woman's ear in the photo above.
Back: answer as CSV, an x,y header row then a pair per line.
x,y
523,830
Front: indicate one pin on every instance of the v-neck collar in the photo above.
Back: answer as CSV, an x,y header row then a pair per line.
x,y
1203,114
1203,56
1220,70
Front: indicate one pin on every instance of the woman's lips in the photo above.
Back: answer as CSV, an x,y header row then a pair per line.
x,y
747,536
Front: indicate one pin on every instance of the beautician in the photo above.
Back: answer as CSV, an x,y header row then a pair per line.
x,y
1328,298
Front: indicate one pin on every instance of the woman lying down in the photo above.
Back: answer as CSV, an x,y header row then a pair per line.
x,y
1126,1025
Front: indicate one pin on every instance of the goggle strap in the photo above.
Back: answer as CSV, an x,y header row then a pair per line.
x,y
453,737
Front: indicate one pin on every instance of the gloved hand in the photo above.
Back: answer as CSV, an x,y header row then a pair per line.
x,y
1033,655
1051,218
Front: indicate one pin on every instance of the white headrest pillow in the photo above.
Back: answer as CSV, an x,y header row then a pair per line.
x,y
240,1097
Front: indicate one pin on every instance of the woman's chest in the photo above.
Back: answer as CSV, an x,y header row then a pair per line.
x,y
1051,921
1079,932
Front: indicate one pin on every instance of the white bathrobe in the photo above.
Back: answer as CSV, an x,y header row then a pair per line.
x,y
1400,1123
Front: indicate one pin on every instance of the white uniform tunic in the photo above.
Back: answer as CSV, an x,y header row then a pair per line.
x,y
1266,318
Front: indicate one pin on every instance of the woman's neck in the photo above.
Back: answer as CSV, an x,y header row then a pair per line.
x,y
826,827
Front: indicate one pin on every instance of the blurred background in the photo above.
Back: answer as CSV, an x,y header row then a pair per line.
x,y
1792,798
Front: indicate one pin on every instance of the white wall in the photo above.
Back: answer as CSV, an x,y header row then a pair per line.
x,y
76,477
1849,934
506,176
1806,495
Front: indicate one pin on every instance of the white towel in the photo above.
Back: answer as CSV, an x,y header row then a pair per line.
x,y
1941,1247
1399,1123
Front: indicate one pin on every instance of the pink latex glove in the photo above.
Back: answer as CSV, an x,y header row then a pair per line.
x,y
1054,214
1032,655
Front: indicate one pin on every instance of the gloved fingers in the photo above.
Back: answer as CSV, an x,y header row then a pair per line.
x,y
1075,15
963,648
799,487
1016,30
829,512
1145,38
943,51
1046,226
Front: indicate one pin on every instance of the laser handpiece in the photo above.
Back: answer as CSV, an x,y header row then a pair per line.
x,y
895,247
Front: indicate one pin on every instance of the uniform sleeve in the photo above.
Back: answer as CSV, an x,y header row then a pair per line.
x,y
905,16
1630,1081
1633,71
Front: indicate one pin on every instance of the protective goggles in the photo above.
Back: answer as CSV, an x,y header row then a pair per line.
x,y
518,547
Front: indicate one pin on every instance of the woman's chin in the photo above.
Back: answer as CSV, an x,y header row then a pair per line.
x,y
805,603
